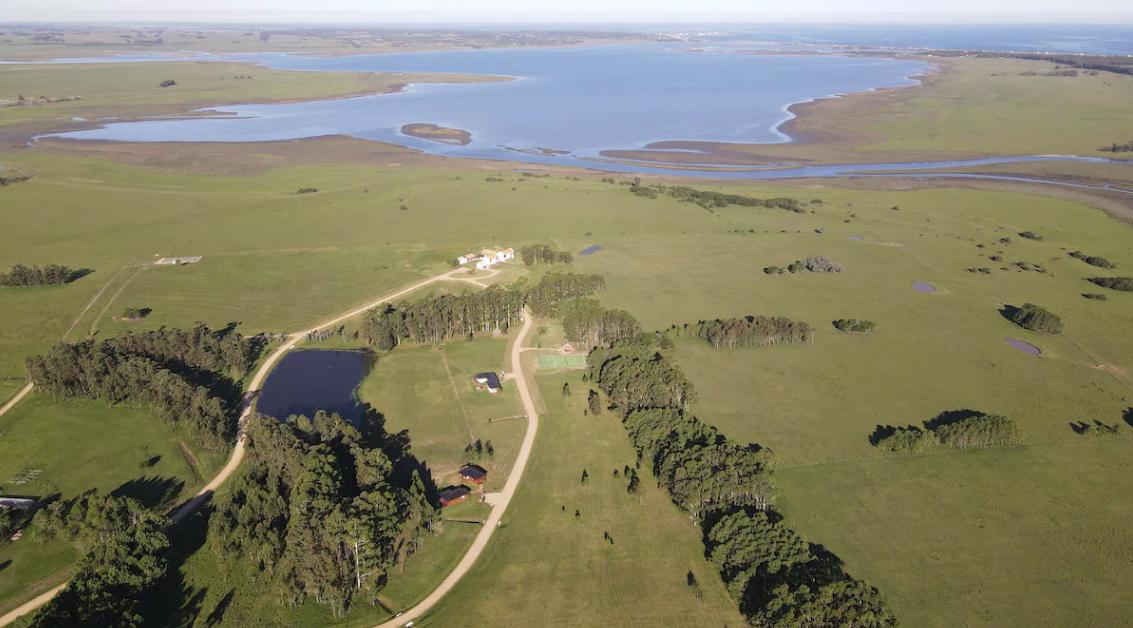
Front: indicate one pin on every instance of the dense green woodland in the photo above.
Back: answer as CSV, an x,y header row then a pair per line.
x,y
1036,318
448,317
188,377
544,254
777,579
324,510
1123,284
51,275
708,199
123,546
960,430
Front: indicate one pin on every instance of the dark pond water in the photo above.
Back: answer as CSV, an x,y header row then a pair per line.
x,y
592,249
315,379
923,286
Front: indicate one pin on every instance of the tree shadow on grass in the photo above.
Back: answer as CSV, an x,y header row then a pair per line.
x,y
217,614
950,416
172,601
1128,416
153,492
4,565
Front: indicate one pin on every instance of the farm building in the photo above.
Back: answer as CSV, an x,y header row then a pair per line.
x,y
489,380
467,257
178,261
491,257
454,495
474,473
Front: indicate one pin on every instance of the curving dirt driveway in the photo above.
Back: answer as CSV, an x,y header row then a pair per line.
x,y
237,455
500,500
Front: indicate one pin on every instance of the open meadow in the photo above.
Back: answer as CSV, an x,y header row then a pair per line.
x,y
275,260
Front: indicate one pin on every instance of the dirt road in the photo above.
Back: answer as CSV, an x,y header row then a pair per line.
x,y
254,386
500,500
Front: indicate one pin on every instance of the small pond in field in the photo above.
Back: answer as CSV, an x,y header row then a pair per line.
x,y
1025,347
315,379
592,249
923,286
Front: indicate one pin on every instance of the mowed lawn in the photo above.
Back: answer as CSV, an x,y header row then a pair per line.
x,y
67,448
546,567
429,391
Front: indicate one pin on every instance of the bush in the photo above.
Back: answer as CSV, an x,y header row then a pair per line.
x,y
1123,284
819,264
1035,318
1094,296
773,270
854,325
168,83
1030,235
1093,260
909,439
795,267
135,313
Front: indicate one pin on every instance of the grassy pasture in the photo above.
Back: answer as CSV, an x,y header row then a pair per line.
x,y
430,393
133,89
544,567
277,261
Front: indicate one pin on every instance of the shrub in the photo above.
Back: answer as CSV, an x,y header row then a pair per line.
x,y
1094,296
909,439
1030,235
168,83
1093,260
135,313
1123,284
819,264
773,270
854,325
1035,318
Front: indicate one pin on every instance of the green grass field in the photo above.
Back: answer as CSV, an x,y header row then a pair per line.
x,y
430,392
65,449
544,567
276,261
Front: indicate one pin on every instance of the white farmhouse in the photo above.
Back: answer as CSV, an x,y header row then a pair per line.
x,y
491,257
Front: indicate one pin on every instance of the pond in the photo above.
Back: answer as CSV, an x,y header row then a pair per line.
x,y
315,379
923,286
1024,346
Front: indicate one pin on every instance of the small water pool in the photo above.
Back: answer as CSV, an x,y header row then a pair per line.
x,y
923,286
590,250
1023,346
315,379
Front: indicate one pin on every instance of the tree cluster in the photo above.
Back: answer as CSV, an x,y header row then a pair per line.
x,y
123,546
1127,147
319,511
443,317
1093,260
747,331
1123,284
814,264
1036,318
181,374
708,199
544,296
588,324
21,276
1030,235
854,325
544,254
974,430
780,580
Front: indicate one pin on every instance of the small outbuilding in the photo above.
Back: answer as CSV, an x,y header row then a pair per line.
x,y
473,473
489,380
454,495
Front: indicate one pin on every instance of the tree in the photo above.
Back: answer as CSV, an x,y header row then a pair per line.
x,y
1036,318
843,603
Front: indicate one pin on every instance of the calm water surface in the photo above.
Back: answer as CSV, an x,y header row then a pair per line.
x,y
315,379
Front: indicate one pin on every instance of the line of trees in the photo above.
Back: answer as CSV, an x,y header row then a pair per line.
x,y
1123,284
182,375
544,254
21,276
445,317
1093,260
747,331
709,199
1127,147
124,553
970,429
588,324
777,579
324,510
814,264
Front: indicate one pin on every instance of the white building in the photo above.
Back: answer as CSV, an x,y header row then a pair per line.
x,y
491,257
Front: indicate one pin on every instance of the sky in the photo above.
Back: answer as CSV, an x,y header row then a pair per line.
x,y
572,11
